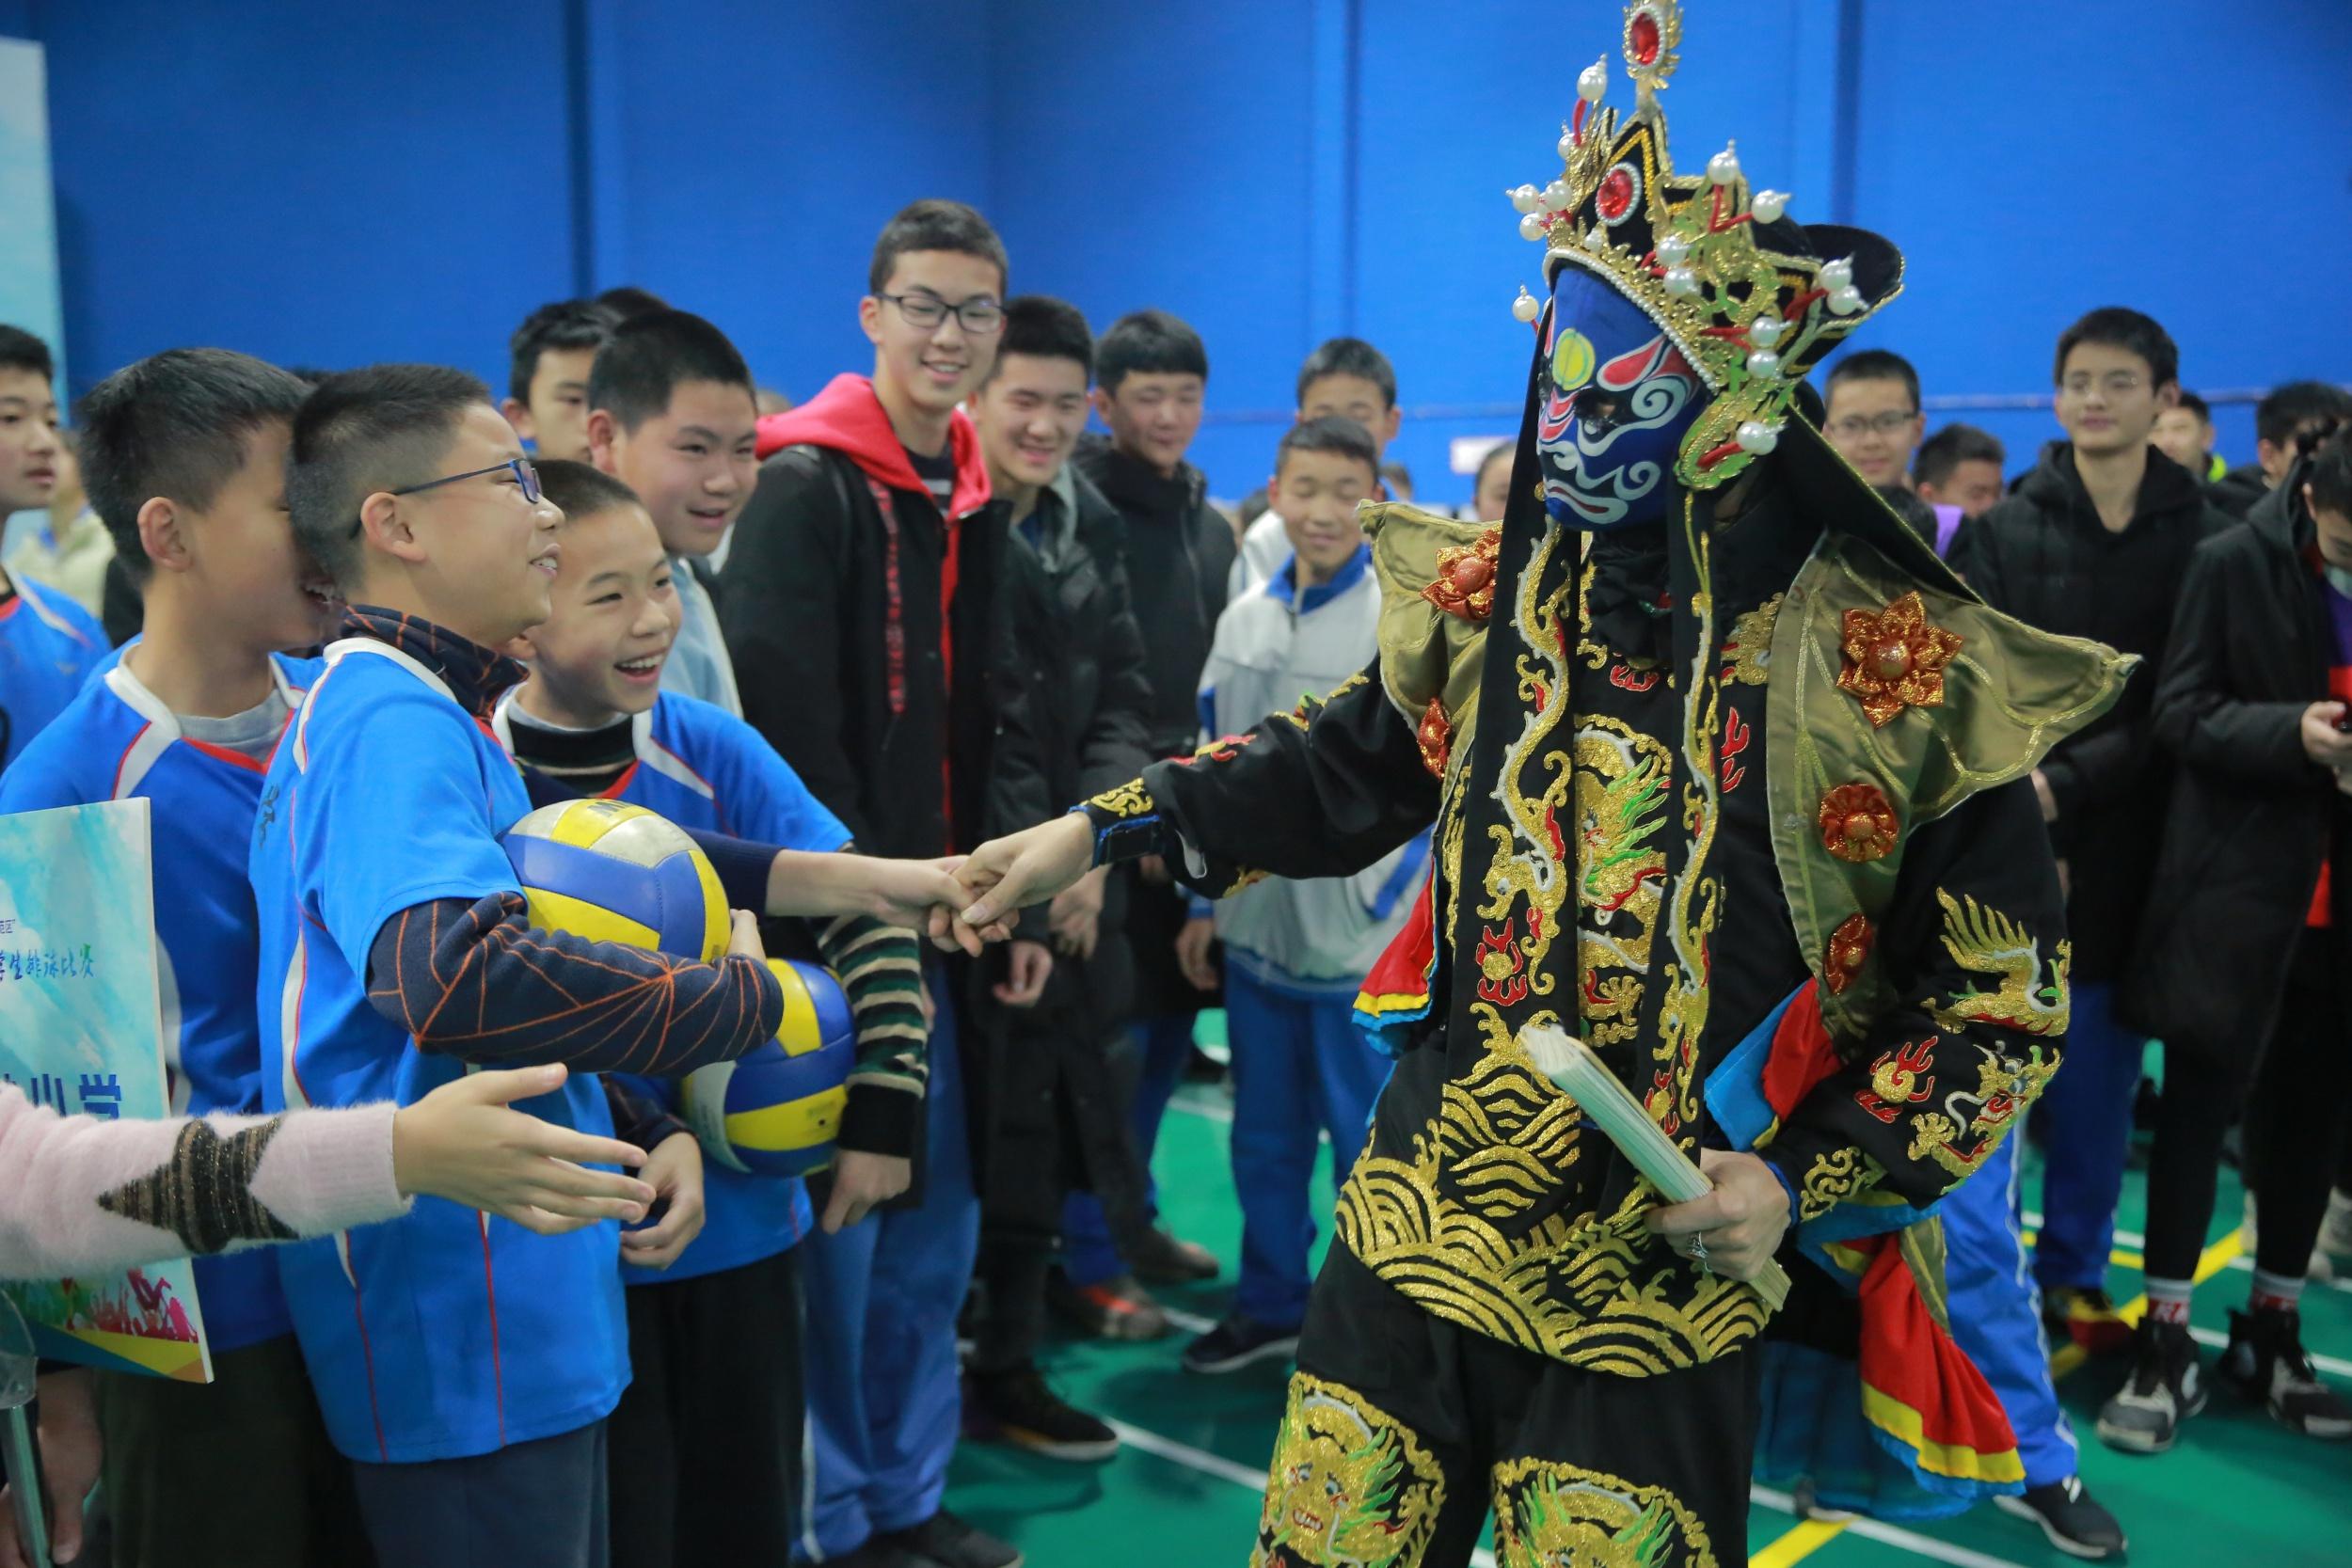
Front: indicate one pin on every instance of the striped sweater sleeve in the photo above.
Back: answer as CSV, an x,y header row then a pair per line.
x,y
476,980
882,972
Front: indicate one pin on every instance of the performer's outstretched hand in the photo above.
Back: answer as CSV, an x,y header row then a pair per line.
x,y
1741,1221
1010,873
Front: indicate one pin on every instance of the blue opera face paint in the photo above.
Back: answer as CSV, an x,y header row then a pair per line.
x,y
1613,402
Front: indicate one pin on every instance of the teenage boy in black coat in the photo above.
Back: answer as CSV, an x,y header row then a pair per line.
x,y
2242,966
1051,1121
858,608
1152,371
2094,545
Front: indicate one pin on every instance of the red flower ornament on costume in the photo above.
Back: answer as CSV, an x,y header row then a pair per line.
x,y
1848,950
1465,585
1858,825
1895,660
1436,737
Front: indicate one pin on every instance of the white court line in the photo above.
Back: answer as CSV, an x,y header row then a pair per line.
x,y
1207,1107
1891,1535
1222,1468
2138,1242
1191,1322
2328,1364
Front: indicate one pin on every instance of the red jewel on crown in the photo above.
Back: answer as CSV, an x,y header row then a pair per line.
x,y
1615,195
1642,38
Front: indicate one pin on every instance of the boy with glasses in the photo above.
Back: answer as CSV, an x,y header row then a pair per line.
x,y
466,1368
671,413
2094,543
1873,419
859,606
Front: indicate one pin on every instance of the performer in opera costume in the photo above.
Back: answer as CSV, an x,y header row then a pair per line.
x,y
1724,768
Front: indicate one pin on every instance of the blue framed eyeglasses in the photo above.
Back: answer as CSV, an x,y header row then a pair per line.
x,y
526,476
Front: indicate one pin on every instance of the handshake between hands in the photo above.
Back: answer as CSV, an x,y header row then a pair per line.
x,y
972,904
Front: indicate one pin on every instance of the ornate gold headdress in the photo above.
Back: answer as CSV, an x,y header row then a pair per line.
x,y
1753,299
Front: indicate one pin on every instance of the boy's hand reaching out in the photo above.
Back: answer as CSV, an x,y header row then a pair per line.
x,y
461,1141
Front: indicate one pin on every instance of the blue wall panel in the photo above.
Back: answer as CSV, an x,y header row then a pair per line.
x,y
330,184
1160,155
383,183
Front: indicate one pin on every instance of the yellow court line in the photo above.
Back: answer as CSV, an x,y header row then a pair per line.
x,y
2209,1262
1809,1536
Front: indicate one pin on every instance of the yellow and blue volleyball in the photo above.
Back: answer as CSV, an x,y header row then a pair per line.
x,y
775,1111
613,872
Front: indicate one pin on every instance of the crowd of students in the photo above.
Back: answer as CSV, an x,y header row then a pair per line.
x,y
353,628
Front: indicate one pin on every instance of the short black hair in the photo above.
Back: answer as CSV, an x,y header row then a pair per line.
x,y
1505,450
566,323
20,351
935,225
1395,474
581,489
174,424
2329,475
2287,410
649,357
310,375
1333,432
629,301
1045,327
377,428
1907,505
2120,326
1948,448
2195,405
1349,357
1875,364
1148,342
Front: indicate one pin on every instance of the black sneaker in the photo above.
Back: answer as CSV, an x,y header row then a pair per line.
x,y
2266,1361
1017,1407
2167,1387
880,1552
948,1541
2074,1520
1235,1343
1117,1308
1160,1259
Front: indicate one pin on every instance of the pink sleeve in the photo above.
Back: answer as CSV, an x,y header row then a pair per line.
x,y
80,1194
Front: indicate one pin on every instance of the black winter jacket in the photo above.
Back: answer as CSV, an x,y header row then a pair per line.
x,y
1179,553
2240,490
1050,1118
2043,556
2252,817
863,716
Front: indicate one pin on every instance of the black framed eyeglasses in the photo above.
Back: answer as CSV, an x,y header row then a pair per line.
x,y
526,476
980,315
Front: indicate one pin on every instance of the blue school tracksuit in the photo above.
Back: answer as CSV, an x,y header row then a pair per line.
x,y
1297,951
117,742
1996,1313
446,1333
48,647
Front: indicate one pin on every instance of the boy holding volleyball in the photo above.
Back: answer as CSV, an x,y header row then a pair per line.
x,y
465,1366
707,1441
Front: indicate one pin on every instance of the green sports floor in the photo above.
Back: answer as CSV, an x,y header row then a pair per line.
x,y
1182,1493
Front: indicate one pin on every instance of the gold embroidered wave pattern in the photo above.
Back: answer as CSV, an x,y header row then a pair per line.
x,y
1459,1227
